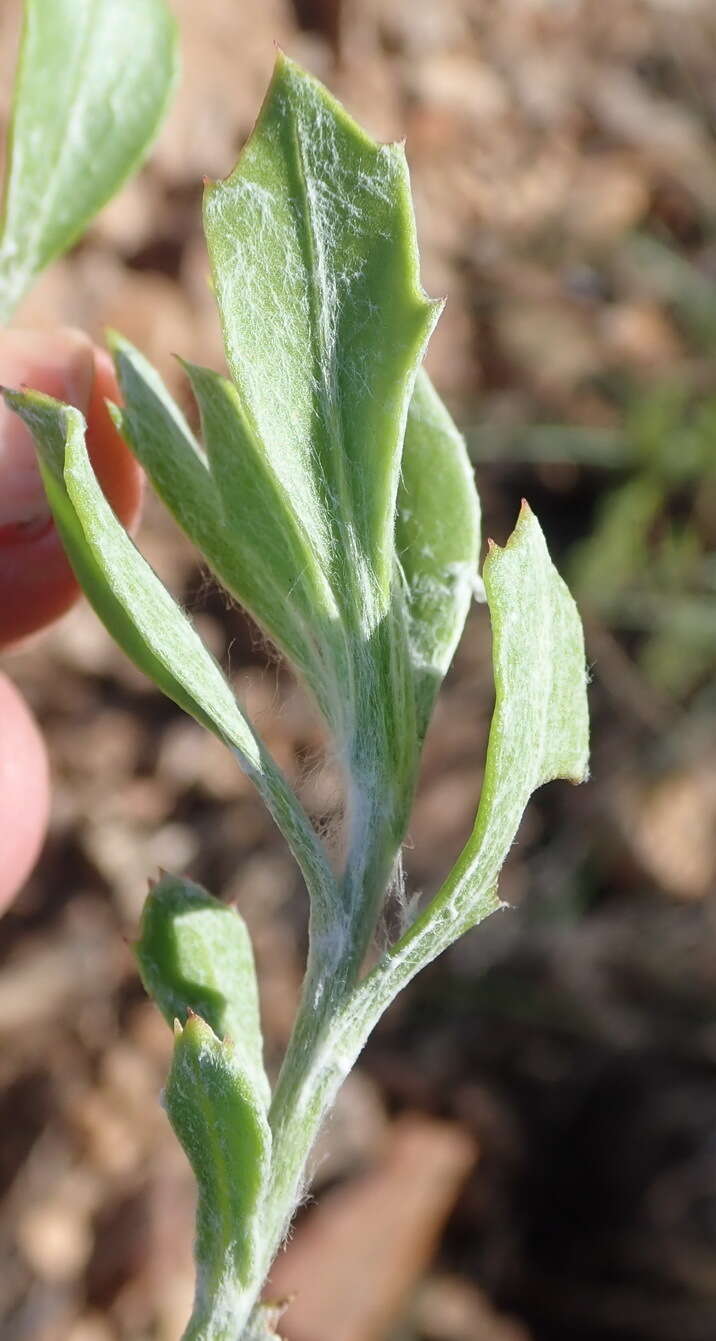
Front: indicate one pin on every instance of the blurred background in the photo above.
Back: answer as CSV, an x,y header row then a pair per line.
x,y
527,1151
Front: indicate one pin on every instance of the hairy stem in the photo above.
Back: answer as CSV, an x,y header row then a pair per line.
x,y
334,1020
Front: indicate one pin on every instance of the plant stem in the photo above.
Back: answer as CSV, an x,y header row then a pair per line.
x,y
313,1067
334,1020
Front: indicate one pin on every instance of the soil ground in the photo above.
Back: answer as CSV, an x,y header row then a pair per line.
x,y
560,1064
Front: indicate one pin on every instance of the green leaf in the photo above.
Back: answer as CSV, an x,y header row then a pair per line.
x,y
540,725
437,539
232,507
93,83
314,257
288,595
221,1124
139,612
194,955
539,732
147,623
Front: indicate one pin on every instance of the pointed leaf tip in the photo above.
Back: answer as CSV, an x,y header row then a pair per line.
x,y
195,959
223,1128
540,724
318,212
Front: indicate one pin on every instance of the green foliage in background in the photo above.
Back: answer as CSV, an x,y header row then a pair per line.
x,y
645,567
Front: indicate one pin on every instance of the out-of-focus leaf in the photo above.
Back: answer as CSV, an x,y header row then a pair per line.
x,y
437,539
616,555
93,84
194,955
600,448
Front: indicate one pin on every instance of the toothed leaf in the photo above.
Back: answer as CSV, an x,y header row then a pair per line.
x,y
540,723
539,732
314,257
540,727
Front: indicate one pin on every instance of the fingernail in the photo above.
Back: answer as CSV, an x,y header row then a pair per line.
x,y
60,363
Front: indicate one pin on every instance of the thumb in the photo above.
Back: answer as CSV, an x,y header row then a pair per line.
x,y
36,582
24,791
60,363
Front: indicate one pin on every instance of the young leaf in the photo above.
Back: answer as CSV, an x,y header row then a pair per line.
x,y
539,732
314,257
229,501
93,83
194,955
231,506
221,1123
145,620
540,726
257,510
437,539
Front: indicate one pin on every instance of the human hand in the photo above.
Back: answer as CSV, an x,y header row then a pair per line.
x,y
36,582
24,791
